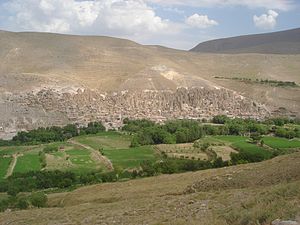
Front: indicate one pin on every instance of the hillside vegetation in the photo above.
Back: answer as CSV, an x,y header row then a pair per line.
x,y
236,195
43,167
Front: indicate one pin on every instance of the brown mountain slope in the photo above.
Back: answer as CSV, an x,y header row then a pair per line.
x,y
283,42
256,192
52,79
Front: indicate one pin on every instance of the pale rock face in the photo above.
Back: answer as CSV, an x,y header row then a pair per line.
x,y
287,222
49,106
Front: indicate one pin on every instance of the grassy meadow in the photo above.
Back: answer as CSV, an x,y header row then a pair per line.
x,y
131,157
4,164
276,142
28,162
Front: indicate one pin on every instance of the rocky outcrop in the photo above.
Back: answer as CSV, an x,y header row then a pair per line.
x,y
50,106
282,222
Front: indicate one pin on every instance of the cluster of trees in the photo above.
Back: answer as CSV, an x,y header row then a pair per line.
x,y
278,83
53,134
172,165
177,131
247,127
92,128
35,180
38,180
249,157
281,121
23,201
235,126
46,135
289,133
134,126
262,81
184,131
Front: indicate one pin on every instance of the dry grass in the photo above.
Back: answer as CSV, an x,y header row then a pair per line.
x,y
58,160
163,200
110,64
186,151
223,152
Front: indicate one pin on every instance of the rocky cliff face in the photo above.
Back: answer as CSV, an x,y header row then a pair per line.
x,y
52,106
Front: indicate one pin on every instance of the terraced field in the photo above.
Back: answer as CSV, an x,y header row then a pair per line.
x,y
131,157
16,149
276,142
243,146
4,164
186,151
81,160
96,152
106,140
28,162
116,147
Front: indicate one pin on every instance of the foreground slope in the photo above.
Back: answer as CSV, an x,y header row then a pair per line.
x,y
52,79
241,194
283,42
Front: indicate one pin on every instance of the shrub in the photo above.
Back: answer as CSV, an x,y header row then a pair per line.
x,y
50,149
13,190
38,199
22,203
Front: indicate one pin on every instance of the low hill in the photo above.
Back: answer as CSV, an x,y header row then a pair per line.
x,y
283,42
256,192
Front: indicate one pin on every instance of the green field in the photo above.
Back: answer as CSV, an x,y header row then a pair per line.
x,y
241,144
130,158
4,164
115,146
107,140
231,139
81,160
252,149
28,162
276,142
16,149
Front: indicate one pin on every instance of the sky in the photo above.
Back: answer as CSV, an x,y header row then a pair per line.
x,y
180,24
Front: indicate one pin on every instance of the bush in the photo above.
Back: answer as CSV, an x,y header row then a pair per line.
x,y
4,204
220,119
13,190
50,149
38,199
22,203
43,161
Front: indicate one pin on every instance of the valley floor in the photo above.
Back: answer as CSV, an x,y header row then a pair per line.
x,y
244,194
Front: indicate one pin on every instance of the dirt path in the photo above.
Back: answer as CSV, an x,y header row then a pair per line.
x,y
95,154
12,165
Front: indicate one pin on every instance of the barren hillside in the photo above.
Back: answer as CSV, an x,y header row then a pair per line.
x,y
52,79
283,42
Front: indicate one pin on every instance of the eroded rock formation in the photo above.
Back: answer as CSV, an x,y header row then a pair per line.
x,y
50,106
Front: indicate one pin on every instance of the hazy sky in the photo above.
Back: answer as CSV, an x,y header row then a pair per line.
x,y
173,23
